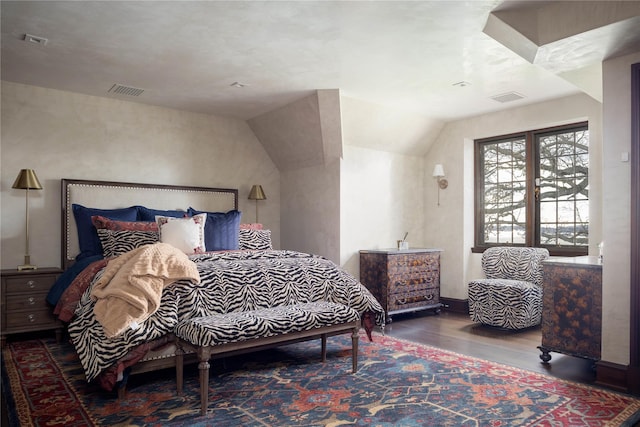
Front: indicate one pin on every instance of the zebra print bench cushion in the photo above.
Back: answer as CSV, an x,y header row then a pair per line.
x,y
246,325
511,295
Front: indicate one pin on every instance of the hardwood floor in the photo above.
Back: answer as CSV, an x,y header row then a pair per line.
x,y
455,332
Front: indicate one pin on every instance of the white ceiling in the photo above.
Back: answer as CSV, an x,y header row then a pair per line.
x,y
405,55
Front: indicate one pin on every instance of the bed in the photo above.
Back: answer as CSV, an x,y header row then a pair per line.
x,y
237,269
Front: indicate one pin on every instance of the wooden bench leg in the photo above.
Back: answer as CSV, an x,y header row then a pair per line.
x,y
204,354
179,369
354,350
323,339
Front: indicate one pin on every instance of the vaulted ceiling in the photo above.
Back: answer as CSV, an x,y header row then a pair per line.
x,y
436,60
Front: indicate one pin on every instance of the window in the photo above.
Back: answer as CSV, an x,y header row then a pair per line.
x,y
532,189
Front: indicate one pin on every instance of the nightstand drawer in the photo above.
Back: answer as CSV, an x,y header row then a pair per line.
x,y
31,301
29,283
26,320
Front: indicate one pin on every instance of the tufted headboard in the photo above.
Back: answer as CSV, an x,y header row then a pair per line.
x,y
113,195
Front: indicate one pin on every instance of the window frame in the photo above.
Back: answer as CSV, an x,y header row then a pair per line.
x,y
532,207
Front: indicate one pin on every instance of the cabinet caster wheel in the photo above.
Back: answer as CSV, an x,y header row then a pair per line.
x,y
545,356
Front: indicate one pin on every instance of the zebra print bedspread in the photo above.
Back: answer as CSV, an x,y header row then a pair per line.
x,y
230,281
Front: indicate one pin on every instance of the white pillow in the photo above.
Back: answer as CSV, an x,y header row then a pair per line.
x,y
186,234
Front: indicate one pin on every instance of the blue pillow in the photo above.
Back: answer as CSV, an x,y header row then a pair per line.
x,y
87,234
149,215
221,229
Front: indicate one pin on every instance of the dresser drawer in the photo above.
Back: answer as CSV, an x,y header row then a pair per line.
x,y
413,281
24,320
413,299
414,261
29,283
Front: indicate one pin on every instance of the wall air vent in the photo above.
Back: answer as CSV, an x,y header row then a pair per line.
x,y
507,97
125,90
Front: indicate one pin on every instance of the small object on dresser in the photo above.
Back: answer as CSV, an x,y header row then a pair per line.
x,y
403,245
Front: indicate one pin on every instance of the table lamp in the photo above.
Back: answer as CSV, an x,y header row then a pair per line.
x,y
27,180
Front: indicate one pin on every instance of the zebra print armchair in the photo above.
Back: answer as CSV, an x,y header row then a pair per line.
x,y
511,295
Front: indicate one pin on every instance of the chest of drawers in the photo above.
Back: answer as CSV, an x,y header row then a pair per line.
x,y
402,281
572,307
23,299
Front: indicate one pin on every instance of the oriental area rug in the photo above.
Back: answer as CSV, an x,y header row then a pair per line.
x,y
398,383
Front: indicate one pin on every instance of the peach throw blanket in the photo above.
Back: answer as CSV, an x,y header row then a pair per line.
x,y
129,290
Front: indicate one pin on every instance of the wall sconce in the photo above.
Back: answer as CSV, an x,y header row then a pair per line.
x,y
256,194
27,180
438,173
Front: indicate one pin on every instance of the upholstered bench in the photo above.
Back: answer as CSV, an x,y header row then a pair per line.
x,y
244,331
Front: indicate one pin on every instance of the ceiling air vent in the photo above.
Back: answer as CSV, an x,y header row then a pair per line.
x,y
507,97
126,90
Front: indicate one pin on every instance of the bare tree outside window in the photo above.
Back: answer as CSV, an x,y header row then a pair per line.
x,y
564,188
532,189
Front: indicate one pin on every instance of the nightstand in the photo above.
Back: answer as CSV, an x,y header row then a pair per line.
x,y
23,302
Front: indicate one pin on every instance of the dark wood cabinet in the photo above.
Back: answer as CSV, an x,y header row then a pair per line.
x,y
402,280
572,307
24,306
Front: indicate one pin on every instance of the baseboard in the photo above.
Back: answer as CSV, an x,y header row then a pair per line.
x,y
613,376
455,305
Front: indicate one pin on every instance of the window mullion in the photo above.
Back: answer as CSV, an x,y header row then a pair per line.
x,y
530,187
532,172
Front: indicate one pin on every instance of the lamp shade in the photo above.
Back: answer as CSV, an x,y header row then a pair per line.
x,y
27,180
256,193
438,170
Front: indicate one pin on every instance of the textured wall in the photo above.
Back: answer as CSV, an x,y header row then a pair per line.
x,y
66,135
305,140
382,197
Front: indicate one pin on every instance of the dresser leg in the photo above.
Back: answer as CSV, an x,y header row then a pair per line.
x,y
545,356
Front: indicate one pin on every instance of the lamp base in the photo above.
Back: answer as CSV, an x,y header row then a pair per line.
x,y
27,267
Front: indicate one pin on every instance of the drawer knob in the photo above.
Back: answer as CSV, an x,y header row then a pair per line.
x,y
31,318
31,300
31,284
428,297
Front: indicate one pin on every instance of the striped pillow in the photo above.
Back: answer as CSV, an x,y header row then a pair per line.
x,y
119,237
254,239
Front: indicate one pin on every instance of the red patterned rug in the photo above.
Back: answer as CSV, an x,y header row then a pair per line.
x,y
398,384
